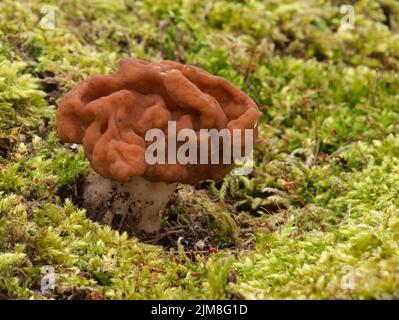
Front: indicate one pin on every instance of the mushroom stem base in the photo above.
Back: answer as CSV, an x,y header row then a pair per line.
x,y
134,206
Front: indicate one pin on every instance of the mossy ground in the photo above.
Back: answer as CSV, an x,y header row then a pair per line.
x,y
320,207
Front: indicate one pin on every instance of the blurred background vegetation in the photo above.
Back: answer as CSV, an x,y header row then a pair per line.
x,y
317,218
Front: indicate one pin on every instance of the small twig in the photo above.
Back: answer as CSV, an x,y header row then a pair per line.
x,y
163,235
318,140
339,150
254,54
163,25
32,203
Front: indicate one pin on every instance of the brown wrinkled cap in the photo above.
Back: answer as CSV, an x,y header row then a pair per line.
x,y
110,115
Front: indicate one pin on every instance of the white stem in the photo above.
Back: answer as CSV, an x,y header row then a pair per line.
x,y
140,201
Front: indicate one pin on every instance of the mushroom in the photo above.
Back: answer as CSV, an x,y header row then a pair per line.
x,y
111,115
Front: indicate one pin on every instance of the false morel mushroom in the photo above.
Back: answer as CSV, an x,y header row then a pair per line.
x,y
110,115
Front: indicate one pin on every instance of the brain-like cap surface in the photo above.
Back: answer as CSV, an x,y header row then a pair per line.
x,y
110,114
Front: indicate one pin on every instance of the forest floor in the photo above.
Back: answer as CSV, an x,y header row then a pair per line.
x,y
317,218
